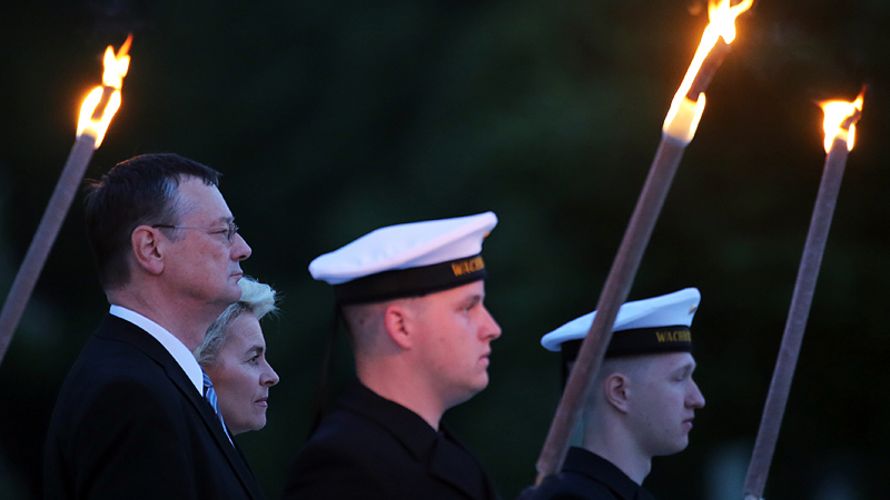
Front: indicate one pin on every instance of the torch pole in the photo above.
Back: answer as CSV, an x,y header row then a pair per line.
x,y
678,130
621,275
614,294
795,325
43,239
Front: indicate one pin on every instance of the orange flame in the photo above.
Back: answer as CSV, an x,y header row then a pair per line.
x,y
93,121
684,114
840,121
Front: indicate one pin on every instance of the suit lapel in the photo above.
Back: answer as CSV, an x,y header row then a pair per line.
x,y
118,329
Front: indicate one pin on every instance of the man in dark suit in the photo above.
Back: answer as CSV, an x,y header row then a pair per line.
x,y
642,404
135,416
412,298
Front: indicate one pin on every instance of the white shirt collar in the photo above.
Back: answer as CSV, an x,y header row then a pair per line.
x,y
181,354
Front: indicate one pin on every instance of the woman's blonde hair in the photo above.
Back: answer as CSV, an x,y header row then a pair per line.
x,y
257,298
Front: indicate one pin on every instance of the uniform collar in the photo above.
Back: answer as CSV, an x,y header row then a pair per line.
x,y
444,457
587,463
407,427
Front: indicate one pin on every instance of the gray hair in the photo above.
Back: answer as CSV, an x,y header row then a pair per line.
x,y
257,298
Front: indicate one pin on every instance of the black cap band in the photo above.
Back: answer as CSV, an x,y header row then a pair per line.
x,y
411,282
638,341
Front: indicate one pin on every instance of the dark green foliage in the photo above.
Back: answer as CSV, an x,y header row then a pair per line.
x,y
331,118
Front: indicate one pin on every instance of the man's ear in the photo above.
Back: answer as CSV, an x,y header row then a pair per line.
x,y
618,391
397,320
148,249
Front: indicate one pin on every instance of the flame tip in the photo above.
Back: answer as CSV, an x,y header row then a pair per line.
x,y
101,104
722,15
125,47
689,101
839,121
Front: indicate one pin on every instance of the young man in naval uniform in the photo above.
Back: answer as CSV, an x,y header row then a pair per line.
x,y
642,404
412,296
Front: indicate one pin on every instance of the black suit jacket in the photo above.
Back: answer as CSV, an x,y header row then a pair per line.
x,y
128,423
370,447
586,475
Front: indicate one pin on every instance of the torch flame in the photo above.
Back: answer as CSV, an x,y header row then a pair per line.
x,y
94,117
722,18
840,121
684,114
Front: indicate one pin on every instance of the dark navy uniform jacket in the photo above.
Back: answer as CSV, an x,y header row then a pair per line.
x,y
586,475
369,447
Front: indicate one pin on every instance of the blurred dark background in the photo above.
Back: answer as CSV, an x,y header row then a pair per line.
x,y
329,119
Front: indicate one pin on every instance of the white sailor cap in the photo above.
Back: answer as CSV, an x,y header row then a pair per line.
x,y
405,260
654,325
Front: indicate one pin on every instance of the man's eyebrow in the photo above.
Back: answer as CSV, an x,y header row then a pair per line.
x,y
686,368
474,299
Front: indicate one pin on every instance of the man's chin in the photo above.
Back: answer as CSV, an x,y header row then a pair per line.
x,y
468,393
480,386
682,445
673,449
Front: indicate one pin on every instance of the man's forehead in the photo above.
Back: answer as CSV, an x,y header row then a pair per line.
x,y
674,360
447,299
463,292
195,196
661,362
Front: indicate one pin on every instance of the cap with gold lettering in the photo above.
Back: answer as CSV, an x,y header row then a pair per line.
x,y
405,260
648,326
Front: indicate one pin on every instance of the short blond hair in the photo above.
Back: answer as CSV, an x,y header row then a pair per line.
x,y
257,298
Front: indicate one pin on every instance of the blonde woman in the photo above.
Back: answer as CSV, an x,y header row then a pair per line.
x,y
233,354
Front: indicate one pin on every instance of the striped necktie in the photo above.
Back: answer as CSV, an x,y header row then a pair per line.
x,y
210,396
